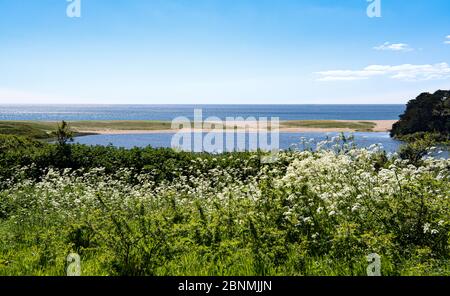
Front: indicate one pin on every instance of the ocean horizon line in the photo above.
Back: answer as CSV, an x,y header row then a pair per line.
x,y
200,104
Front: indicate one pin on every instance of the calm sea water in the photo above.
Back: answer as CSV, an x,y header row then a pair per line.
x,y
287,140
169,112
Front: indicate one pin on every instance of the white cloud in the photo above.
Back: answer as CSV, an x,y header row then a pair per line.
x,y
448,40
405,72
394,47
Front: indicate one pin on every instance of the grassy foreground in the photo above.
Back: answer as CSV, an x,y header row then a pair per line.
x,y
159,212
44,130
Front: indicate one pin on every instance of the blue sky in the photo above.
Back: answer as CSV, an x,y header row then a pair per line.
x,y
222,51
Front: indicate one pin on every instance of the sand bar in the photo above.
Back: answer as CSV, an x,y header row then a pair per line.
x,y
285,126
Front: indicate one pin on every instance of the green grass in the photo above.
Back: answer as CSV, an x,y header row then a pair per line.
x,y
27,129
357,126
121,125
36,130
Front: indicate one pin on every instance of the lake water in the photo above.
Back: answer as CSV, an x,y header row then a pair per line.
x,y
287,140
169,112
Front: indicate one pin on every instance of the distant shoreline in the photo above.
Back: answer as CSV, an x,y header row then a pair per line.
x,y
285,127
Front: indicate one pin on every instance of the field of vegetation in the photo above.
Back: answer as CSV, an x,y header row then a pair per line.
x,y
159,212
360,126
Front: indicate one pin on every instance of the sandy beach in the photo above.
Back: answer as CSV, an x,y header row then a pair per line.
x,y
380,126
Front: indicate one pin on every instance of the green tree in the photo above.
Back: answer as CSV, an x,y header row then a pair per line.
x,y
64,134
427,113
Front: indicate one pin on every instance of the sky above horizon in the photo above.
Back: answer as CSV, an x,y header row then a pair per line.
x,y
222,51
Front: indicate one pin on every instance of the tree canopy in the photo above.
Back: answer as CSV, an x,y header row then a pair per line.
x,y
426,113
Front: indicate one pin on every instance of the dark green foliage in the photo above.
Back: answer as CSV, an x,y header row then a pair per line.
x,y
9,143
163,164
419,145
427,113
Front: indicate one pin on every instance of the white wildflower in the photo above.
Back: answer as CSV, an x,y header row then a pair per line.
x,y
426,227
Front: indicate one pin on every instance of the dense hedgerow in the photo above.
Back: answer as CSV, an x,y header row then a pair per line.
x,y
309,213
162,163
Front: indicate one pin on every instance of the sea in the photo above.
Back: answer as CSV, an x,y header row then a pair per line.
x,y
169,112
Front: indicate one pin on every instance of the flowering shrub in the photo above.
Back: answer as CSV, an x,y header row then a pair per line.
x,y
310,213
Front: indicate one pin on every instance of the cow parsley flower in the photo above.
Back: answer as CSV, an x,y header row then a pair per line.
x,y
426,227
